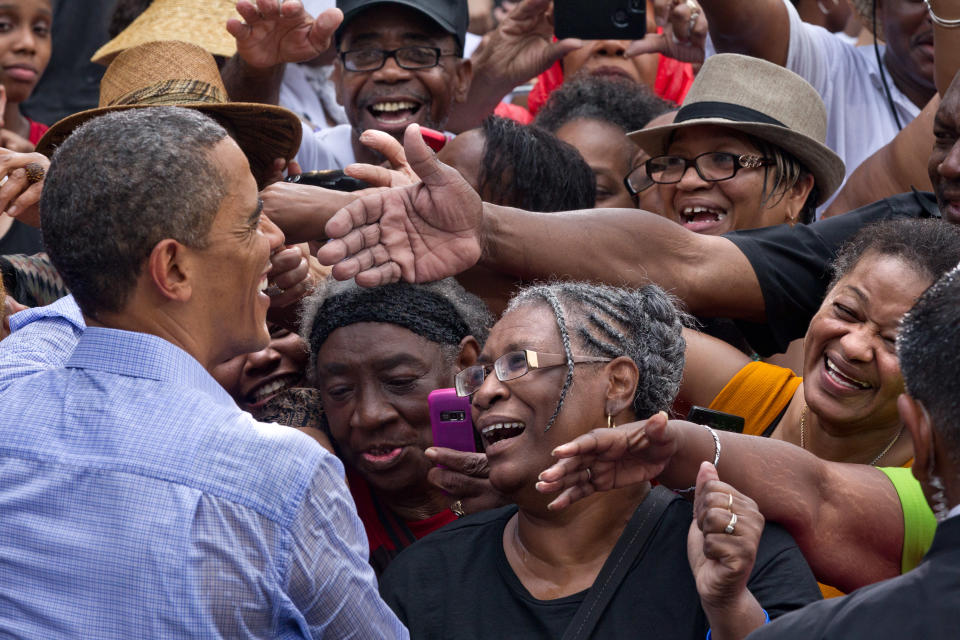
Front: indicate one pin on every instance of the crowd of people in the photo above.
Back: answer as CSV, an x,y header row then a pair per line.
x,y
692,297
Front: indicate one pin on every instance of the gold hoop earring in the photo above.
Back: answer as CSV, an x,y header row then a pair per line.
x,y
610,424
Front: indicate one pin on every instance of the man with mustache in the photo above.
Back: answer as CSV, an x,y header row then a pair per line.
x,y
397,63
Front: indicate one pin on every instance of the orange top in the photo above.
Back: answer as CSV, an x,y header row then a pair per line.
x,y
759,392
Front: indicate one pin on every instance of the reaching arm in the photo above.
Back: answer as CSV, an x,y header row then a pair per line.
x,y
271,34
759,28
517,50
624,247
435,228
846,518
894,168
709,364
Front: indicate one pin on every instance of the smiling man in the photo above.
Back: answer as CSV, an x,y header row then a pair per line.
x,y
136,498
397,63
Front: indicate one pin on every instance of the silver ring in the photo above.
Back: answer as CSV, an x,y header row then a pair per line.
x,y
589,475
731,525
457,508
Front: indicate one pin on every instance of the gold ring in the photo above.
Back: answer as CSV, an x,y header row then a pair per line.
x,y
457,508
730,502
35,172
731,524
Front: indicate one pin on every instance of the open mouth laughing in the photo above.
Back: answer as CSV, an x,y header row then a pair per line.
x,y
841,379
272,387
700,219
500,431
394,112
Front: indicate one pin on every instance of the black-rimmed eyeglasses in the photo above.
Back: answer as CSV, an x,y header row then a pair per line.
x,y
511,366
713,166
410,58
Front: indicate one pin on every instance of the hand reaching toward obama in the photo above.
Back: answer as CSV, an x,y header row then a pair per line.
x,y
274,32
420,232
606,459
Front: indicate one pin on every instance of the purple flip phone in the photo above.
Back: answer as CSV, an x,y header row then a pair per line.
x,y
451,420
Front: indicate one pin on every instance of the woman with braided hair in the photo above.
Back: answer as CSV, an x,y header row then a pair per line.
x,y
566,358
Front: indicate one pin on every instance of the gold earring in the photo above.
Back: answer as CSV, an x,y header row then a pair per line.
x,y
610,424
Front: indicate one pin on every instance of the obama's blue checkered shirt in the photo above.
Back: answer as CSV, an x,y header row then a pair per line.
x,y
138,501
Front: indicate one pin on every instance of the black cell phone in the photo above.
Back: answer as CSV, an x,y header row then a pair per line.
x,y
331,179
716,419
600,19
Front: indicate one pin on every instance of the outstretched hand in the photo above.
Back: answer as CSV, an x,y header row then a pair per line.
x,y
275,32
684,34
522,45
605,459
421,232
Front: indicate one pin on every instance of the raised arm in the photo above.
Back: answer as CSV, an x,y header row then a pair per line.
x,y
520,48
624,247
436,228
271,34
894,168
759,28
846,518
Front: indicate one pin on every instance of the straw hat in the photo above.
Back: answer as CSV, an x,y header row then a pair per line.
x,y
763,100
201,22
184,75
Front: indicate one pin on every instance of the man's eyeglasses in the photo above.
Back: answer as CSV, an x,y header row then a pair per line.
x,y
411,58
511,366
713,166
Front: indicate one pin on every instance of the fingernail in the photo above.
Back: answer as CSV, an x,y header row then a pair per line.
x,y
664,414
12,211
540,477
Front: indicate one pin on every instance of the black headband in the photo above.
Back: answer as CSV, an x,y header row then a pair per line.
x,y
416,308
724,110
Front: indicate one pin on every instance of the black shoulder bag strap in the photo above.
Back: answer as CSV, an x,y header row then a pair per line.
x,y
631,546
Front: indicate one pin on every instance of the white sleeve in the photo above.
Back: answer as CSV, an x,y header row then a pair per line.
x,y
817,55
313,155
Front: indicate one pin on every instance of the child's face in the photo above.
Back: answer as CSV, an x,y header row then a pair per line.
x,y
24,45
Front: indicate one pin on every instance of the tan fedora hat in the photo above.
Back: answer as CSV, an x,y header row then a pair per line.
x,y
184,75
201,22
760,99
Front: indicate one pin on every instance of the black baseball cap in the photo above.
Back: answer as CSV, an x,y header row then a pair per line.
x,y
451,15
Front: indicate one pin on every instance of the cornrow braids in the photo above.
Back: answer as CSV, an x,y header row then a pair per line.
x,y
643,324
554,303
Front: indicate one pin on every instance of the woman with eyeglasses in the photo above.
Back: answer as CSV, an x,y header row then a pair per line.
x,y
566,358
745,150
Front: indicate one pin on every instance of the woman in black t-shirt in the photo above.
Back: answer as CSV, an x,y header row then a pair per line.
x,y
564,359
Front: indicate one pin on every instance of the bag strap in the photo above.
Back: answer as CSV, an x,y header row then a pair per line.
x,y
631,546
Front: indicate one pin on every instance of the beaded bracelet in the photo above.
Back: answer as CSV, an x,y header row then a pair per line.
x,y
937,20
716,457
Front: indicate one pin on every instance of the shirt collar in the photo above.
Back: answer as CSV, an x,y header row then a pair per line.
x,y
142,355
65,308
